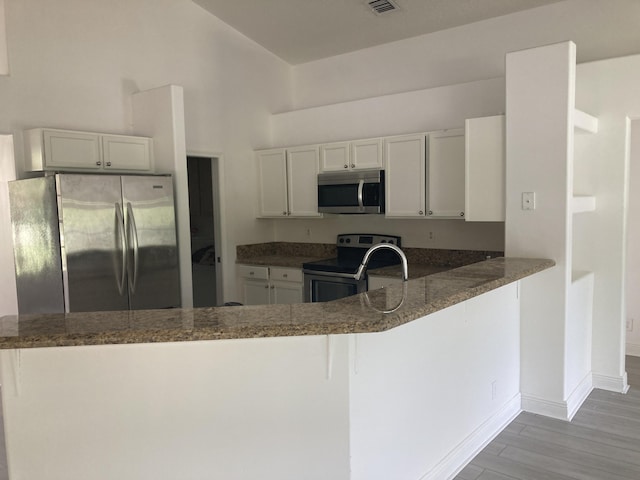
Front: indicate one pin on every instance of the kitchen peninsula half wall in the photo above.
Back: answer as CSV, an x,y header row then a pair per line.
x,y
325,390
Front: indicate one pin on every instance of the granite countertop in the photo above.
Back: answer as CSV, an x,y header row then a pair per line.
x,y
356,314
422,261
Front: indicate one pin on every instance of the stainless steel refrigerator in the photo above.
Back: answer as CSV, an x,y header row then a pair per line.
x,y
94,243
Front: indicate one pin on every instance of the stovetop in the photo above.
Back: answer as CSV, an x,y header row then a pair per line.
x,y
351,250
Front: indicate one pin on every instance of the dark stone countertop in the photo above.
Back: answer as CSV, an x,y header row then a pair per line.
x,y
356,314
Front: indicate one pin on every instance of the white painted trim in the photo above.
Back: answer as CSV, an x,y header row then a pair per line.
x,y
579,395
633,349
548,408
611,383
459,457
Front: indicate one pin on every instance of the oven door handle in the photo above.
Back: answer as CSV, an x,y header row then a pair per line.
x,y
327,274
360,194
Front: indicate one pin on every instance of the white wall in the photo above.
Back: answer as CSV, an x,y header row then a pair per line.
x,y
75,64
4,59
608,89
539,142
471,52
418,111
633,244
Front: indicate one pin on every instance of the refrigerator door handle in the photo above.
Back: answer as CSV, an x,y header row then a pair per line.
x,y
133,231
123,244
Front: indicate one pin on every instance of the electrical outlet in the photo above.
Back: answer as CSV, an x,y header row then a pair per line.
x,y
629,324
308,231
430,235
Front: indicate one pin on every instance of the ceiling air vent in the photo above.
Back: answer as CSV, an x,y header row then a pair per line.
x,y
382,6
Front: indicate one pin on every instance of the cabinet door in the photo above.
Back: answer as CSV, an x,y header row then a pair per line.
x,y
446,174
302,176
286,292
335,157
485,169
121,152
71,150
272,180
405,176
255,292
366,153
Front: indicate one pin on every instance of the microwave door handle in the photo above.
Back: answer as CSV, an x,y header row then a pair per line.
x,y
360,194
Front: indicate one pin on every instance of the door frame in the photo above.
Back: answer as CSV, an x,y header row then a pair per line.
x,y
219,218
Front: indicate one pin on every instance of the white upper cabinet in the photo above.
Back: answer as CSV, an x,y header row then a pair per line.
x,y
335,157
272,178
66,150
366,154
446,174
302,170
356,155
485,169
288,180
122,152
405,176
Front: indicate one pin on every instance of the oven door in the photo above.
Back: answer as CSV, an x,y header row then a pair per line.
x,y
324,287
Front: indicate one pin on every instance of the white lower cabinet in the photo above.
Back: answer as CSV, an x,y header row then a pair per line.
x,y
262,285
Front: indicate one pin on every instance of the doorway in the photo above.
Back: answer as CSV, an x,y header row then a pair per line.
x,y
204,214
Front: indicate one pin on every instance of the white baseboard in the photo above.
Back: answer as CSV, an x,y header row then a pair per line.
x,y
613,384
633,349
460,456
548,408
579,395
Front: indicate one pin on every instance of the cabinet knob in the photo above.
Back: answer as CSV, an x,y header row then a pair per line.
x,y
251,273
273,287
284,213
353,165
98,163
346,166
108,164
462,214
284,275
266,286
420,212
430,212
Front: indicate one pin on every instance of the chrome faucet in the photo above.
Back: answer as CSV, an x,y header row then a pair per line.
x,y
367,255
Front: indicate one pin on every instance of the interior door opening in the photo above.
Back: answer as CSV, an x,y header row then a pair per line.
x,y
205,230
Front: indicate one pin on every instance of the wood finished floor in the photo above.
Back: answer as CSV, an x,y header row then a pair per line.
x,y
602,442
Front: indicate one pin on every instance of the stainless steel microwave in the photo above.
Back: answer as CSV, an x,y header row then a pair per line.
x,y
357,191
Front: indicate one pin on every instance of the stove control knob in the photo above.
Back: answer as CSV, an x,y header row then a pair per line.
x,y
342,240
390,241
348,240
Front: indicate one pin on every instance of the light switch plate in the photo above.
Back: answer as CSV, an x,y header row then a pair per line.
x,y
528,201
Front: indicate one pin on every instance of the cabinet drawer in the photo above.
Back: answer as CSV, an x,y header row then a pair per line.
x,y
252,271
286,274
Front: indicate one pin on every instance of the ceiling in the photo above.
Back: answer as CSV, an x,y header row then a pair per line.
x,y
300,31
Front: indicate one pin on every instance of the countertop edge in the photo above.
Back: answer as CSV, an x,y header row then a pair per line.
x,y
345,316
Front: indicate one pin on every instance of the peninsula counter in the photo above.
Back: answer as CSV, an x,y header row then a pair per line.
x,y
316,391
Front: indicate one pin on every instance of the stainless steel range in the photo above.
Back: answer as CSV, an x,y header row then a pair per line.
x,y
333,278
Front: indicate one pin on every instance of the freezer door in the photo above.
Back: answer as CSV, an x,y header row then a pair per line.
x,y
93,242
154,279
36,245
